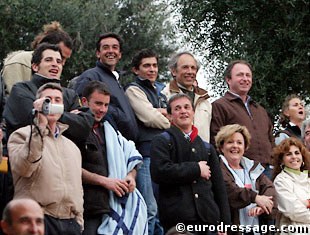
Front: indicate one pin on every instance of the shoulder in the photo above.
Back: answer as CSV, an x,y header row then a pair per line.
x,y
22,88
68,91
87,73
18,56
20,133
281,178
222,101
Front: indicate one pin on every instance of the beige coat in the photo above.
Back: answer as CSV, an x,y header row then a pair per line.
x,y
202,105
291,190
49,172
16,68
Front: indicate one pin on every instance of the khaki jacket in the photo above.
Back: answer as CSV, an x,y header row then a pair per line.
x,y
202,105
49,171
16,68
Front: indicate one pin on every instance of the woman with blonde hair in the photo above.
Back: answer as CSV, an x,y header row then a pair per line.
x,y
251,194
292,183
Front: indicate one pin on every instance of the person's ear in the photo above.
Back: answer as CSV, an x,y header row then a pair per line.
x,y
35,68
174,72
227,79
286,113
84,101
5,227
134,70
98,54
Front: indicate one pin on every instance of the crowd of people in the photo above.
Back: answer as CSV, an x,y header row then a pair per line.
x,y
99,158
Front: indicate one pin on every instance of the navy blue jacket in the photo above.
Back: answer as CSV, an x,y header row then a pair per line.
x,y
119,107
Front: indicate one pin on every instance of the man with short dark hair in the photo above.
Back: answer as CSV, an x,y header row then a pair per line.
x,y
17,65
110,162
46,166
22,217
191,186
47,65
149,106
109,52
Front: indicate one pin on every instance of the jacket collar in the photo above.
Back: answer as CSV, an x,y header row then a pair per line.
x,y
40,80
197,90
232,97
105,68
145,82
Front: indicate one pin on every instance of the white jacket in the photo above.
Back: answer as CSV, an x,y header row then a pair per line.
x,y
293,188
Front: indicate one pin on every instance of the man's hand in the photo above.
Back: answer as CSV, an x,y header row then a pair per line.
x,y
119,187
131,180
37,104
205,171
265,202
131,183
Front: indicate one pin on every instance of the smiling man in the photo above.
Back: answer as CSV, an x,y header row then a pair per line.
x,y
17,64
184,67
191,186
237,107
109,163
109,52
47,65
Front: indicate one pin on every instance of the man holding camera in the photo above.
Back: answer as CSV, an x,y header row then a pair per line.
x,y
46,166
18,112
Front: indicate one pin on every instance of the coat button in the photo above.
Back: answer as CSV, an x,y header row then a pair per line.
x,y
196,195
193,150
194,182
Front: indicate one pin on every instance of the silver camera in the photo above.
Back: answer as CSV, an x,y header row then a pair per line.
x,y
49,108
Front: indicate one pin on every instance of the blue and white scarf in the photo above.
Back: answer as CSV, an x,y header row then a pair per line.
x,y
128,214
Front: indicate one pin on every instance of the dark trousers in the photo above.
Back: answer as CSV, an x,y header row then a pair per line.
x,y
91,224
54,226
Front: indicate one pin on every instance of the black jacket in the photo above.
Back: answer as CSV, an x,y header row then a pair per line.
x,y
94,159
119,107
183,195
19,105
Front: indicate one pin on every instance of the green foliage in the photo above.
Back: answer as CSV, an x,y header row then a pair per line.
x,y
272,35
140,23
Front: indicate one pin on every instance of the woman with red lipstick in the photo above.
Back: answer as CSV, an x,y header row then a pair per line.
x,y
292,183
292,115
251,194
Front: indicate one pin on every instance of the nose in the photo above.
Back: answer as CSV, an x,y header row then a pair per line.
x,y
191,70
34,228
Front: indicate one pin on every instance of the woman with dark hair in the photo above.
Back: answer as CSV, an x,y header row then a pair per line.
x,y
292,115
292,183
